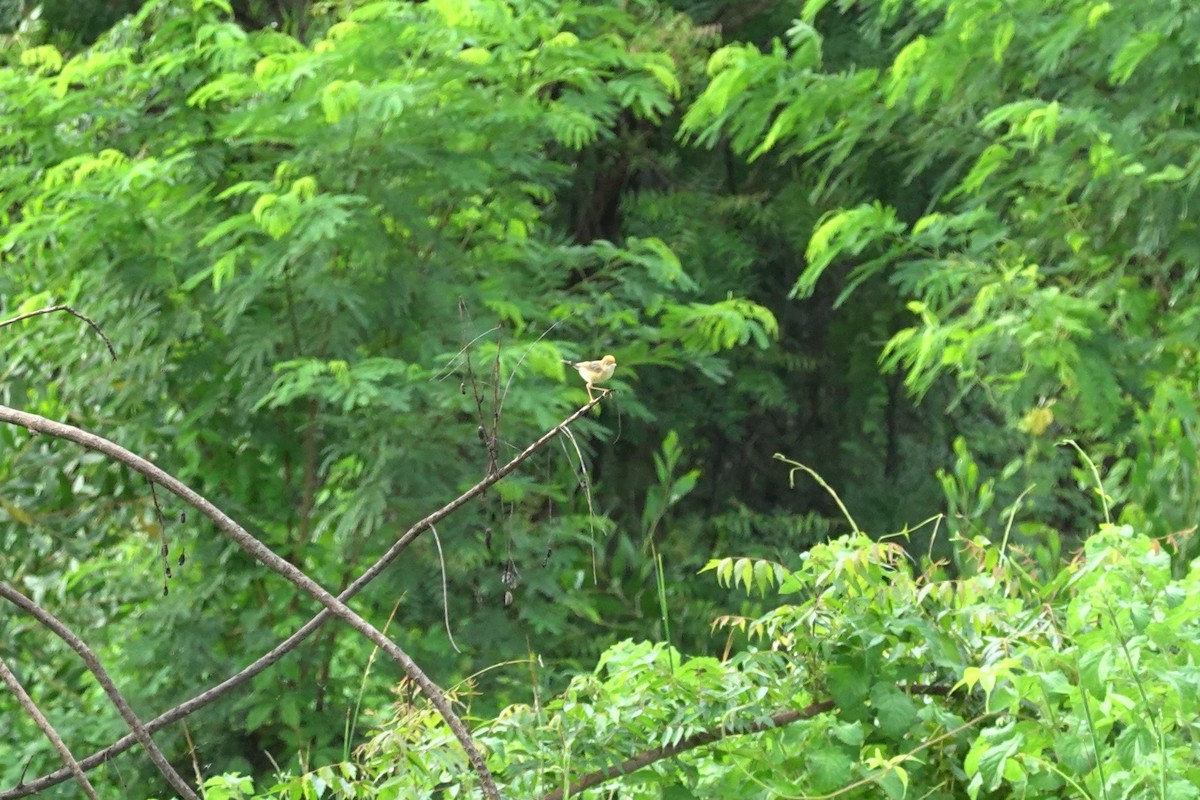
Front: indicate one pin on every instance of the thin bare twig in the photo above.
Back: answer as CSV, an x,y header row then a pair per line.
x,y
271,560
517,366
494,436
164,550
292,642
586,485
39,718
489,439
448,369
445,592
187,737
112,351
94,666
798,467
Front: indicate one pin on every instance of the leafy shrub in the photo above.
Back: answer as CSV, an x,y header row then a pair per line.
x,y
871,677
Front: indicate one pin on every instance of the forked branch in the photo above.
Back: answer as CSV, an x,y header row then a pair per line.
x,y
35,713
97,669
268,558
210,695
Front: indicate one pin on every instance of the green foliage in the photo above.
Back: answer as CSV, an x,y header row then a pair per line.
x,y
68,24
343,265
871,679
1041,240
670,489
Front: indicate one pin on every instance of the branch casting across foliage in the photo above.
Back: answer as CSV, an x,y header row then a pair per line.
x,y
94,666
270,559
261,664
26,702
112,351
702,738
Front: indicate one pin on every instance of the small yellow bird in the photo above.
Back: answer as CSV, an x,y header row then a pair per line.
x,y
594,372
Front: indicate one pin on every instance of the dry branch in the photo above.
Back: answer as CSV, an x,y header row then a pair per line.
x,y
112,351
40,720
310,627
97,669
271,560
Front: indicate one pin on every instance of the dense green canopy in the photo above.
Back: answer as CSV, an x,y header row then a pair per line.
x,y
937,254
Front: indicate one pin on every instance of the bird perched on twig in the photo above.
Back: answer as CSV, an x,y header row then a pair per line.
x,y
594,372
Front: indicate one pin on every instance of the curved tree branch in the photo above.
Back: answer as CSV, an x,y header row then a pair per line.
x,y
274,562
702,738
39,718
310,627
96,668
108,342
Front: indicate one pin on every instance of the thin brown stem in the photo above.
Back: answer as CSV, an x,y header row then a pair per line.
x,y
94,666
108,342
310,473
39,718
